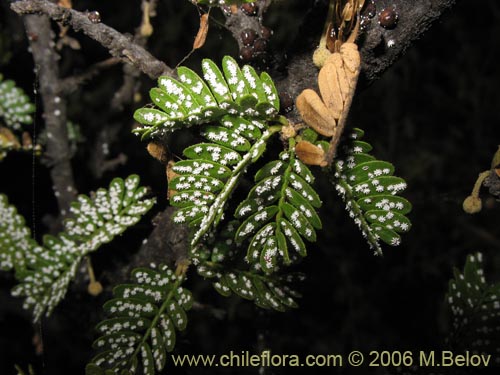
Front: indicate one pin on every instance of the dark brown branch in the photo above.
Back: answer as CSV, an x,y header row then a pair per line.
x,y
380,48
54,106
118,44
167,243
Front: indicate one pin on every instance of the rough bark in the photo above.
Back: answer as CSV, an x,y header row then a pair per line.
x,y
117,43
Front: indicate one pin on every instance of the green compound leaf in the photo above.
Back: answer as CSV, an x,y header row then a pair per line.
x,y
193,100
226,137
475,310
266,291
280,210
207,151
207,179
142,322
199,88
369,191
237,109
17,247
15,106
44,272
234,78
15,110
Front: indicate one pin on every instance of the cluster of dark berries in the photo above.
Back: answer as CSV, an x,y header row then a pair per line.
x,y
387,18
254,43
250,9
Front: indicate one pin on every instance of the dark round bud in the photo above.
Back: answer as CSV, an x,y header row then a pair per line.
x,y
250,9
226,9
370,9
246,54
248,37
388,18
286,102
364,23
260,45
94,16
265,32
33,37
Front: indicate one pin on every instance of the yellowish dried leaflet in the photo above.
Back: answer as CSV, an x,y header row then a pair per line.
x,y
201,36
65,3
8,139
158,151
146,28
337,81
170,176
315,113
330,89
310,154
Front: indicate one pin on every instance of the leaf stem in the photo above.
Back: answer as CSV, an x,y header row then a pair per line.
x,y
348,197
281,202
217,209
163,307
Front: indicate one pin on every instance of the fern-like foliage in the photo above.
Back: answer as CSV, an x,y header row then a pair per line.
x,y
192,100
212,171
17,247
236,107
44,272
217,261
142,323
15,109
369,190
267,291
475,309
15,106
279,211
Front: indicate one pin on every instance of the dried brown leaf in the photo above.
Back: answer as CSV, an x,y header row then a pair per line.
x,y
350,56
201,36
310,154
338,69
158,151
7,138
315,113
329,87
170,176
65,4
337,81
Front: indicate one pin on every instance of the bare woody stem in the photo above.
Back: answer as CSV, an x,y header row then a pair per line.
x,y
118,44
54,106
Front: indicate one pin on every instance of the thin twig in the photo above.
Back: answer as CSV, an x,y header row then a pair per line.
x,y
54,106
118,44
130,86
